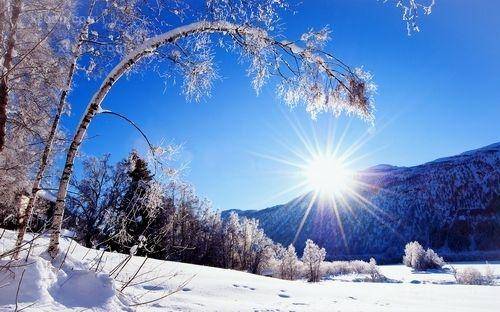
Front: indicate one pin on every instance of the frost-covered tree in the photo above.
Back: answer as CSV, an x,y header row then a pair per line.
x,y
29,58
31,73
312,258
108,29
411,11
230,244
255,248
302,71
289,265
95,200
208,246
420,259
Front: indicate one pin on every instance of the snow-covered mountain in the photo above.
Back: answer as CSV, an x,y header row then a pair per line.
x,y
451,204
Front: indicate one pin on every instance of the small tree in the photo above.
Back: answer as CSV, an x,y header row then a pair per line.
x,y
313,257
289,265
230,245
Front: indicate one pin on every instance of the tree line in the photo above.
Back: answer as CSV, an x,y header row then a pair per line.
x,y
125,208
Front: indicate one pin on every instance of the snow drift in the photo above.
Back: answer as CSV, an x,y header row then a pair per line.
x,y
83,282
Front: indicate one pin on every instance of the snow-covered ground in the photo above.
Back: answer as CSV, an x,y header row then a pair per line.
x,y
75,286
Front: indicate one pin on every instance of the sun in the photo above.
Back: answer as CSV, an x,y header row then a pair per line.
x,y
327,175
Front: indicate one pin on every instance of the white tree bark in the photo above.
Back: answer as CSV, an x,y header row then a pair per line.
x,y
25,217
147,48
15,9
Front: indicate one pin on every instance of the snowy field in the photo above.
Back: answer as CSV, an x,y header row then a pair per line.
x,y
76,286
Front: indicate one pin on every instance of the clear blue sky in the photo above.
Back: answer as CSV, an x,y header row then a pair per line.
x,y
439,94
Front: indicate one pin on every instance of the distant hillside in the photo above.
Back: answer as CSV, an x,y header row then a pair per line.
x,y
451,204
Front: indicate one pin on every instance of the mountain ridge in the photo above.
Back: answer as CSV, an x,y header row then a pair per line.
x,y
451,204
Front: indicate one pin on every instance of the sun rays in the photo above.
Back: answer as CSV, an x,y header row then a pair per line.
x,y
327,175
324,172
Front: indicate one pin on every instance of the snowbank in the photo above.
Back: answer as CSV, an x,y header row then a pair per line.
x,y
46,285
82,283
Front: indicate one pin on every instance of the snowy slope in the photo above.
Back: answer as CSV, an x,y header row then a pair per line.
x,y
451,204
76,288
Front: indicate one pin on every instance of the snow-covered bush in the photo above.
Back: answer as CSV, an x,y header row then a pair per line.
x,y
420,259
359,266
375,275
336,268
472,276
313,258
432,260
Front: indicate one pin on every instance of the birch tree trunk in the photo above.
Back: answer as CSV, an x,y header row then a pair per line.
x,y
93,108
25,217
7,63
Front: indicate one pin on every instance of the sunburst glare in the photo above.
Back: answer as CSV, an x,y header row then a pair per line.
x,y
327,175
324,170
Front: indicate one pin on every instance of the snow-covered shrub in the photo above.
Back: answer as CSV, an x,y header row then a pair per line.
x,y
336,268
375,275
433,260
420,259
472,276
313,258
359,266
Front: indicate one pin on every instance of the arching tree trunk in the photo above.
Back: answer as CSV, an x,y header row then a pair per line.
x,y
149,47
94,106
7,63
25,217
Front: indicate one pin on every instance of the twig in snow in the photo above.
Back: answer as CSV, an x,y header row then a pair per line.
x,y
30,248
154,278
65,255
120,266
13,250
180,287
135,274
85,255
98,261
28,306
18,288
73,250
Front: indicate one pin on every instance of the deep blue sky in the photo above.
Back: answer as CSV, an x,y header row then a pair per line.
x,y
438,96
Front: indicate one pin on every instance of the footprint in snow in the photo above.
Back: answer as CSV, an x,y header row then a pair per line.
x,y
244,286
186,289
152,287
157,305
